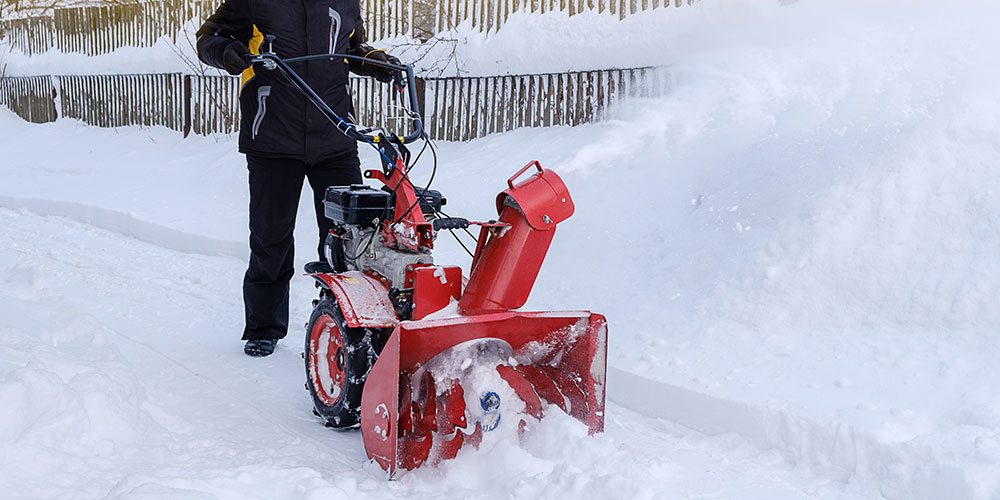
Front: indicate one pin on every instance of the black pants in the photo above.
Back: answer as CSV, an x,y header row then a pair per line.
x,y
275,188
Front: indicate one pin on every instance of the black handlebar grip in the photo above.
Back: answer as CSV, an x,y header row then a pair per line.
x,y
450,223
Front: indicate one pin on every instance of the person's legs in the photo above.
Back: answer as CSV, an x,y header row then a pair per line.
x,y
275,188
341,171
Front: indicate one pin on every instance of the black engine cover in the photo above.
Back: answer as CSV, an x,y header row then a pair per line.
x,y
357,204
362,205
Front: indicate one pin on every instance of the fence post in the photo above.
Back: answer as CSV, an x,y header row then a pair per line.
x,y
420,87
187,105
53,112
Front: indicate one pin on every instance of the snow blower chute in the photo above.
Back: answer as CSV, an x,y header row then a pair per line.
x,y
423,359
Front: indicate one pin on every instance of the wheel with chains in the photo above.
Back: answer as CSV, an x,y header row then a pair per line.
x,y
337,360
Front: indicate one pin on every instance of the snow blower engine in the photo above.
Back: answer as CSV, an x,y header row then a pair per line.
x,y
423,359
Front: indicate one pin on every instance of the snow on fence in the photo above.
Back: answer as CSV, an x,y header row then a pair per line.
x,y
101,29
455,109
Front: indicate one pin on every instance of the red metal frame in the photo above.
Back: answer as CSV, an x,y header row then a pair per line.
x,y
573,344
410,230
363,299
434,287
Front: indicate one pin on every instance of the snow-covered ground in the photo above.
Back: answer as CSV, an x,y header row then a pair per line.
x,y
798,251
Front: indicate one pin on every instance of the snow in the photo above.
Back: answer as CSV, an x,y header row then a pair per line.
x,y
165,56
796,250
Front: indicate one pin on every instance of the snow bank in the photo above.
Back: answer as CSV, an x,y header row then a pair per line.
x,y
165,56
807,224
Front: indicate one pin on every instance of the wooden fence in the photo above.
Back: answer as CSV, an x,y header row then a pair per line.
x,y
102,29
455,109
123,100
32,98
214,104
423,19
459,109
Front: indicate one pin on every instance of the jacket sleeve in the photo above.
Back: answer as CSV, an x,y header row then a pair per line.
x,y
358,46
231,21
358,37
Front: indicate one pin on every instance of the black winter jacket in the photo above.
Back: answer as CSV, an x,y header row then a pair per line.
x,y
275,119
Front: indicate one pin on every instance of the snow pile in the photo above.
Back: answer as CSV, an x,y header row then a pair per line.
x,y
807,224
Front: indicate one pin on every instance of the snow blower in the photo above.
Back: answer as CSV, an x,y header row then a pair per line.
x,y
421,358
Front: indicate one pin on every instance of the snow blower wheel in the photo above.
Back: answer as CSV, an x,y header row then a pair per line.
x,y
338,359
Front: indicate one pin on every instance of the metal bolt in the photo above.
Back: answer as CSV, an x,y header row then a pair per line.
x,y
546,219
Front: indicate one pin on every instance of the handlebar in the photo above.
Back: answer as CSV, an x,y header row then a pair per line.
x,y
271,61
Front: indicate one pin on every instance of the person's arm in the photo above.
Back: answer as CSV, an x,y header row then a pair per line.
x,y
358,46
223,38
358,36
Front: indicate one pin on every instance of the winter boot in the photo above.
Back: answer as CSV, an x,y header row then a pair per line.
x,y
260,347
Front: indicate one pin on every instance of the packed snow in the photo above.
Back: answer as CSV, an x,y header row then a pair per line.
x,y
796,249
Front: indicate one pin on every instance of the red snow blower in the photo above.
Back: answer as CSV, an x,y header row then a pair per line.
x,y
423,359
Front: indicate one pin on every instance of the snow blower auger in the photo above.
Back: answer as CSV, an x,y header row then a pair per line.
x,y
423,359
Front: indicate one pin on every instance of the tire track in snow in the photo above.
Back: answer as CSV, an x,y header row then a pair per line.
x,y
127,225
890,470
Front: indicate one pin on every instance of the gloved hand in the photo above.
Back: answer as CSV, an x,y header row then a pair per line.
x,y
234,57
380,73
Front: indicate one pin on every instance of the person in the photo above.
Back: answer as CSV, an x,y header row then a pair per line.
x,y
284,137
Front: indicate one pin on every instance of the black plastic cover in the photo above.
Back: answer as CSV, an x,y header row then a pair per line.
x,y
357,204
431,200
